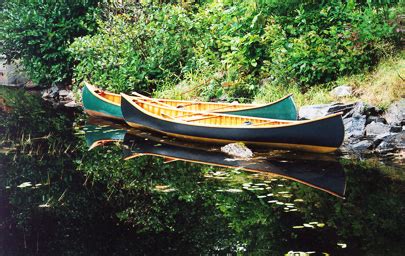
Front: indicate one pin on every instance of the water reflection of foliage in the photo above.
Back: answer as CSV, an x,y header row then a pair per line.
x,y
144,206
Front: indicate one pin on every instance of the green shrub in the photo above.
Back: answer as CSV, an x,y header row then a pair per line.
x,y
150,47
318,45
39,32
136,51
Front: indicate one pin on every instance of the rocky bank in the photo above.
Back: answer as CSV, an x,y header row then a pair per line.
x,y
368,129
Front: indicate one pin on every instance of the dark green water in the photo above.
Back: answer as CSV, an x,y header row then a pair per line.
x,y
59,198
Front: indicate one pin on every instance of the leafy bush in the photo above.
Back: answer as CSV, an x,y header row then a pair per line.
x,y
136,51
38,33
152,47
317,46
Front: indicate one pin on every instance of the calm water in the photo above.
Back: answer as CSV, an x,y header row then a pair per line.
x,y
74,186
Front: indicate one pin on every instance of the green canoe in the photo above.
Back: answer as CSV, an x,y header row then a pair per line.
x,y
100,103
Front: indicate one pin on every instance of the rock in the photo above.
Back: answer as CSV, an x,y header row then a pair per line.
x,y
313,111
372,111
358,109
51,92
316,111
354,126
237,150
395,113
375,129
380,138
362,145
375,119
72,104
340,107
66,96
342,91
392,143
63,93
396,129
30,85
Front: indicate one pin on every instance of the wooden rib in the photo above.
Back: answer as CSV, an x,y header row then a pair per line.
x,y
223,107
189,104
194,114
268,122
198,119
151,99
165,115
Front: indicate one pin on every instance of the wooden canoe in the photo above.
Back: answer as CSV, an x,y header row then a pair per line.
x,y
320,135
100,103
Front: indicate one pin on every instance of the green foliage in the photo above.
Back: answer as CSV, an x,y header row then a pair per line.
x,y
230,47
318,45
38,33
81,202
136,51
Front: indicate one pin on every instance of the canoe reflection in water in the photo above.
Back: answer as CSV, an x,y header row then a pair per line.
x,y
323,172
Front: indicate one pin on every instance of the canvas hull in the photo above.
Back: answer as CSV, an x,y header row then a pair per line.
x,y
284,108
323,135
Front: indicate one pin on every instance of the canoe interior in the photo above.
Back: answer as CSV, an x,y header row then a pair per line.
x,y
116,98
206,106
174,114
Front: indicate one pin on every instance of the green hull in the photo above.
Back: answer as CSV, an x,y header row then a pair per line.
x,y
284,109
99,106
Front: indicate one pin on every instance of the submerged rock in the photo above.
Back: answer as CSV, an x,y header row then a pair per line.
x,y
237,150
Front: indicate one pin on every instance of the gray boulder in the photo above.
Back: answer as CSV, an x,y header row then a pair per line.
x,y
51,92
63,93
392,143
374,129
362,145
71,104
314,111
376,119
395,114
342,91
354,127
320,110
